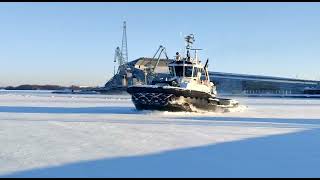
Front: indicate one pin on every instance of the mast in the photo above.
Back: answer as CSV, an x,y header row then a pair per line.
x,y
189,39
124,47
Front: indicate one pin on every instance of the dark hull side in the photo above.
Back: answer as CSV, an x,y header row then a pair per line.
x,y
175,92
149,98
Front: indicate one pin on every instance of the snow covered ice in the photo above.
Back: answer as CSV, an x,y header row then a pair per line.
x,y
51,135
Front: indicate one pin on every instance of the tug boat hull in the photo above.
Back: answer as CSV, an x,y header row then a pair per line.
x,y
176,99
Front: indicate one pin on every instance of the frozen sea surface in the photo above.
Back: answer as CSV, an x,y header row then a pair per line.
x,y
51,135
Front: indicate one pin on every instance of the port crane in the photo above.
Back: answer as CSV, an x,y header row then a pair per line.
x,y
121,55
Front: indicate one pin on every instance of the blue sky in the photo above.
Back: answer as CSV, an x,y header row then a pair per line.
x,y
74,43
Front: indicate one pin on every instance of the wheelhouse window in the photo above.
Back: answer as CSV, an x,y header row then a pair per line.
x,y
171,70
195,72
188,71
179,70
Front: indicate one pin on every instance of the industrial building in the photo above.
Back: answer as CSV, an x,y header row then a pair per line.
x,y
256,84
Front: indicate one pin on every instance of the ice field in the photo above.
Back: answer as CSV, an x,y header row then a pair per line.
x,y
51,135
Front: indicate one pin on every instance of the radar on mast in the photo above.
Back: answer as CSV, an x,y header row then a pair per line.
x,y
189,39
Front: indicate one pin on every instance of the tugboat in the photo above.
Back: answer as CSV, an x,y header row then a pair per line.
x,y
187,88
